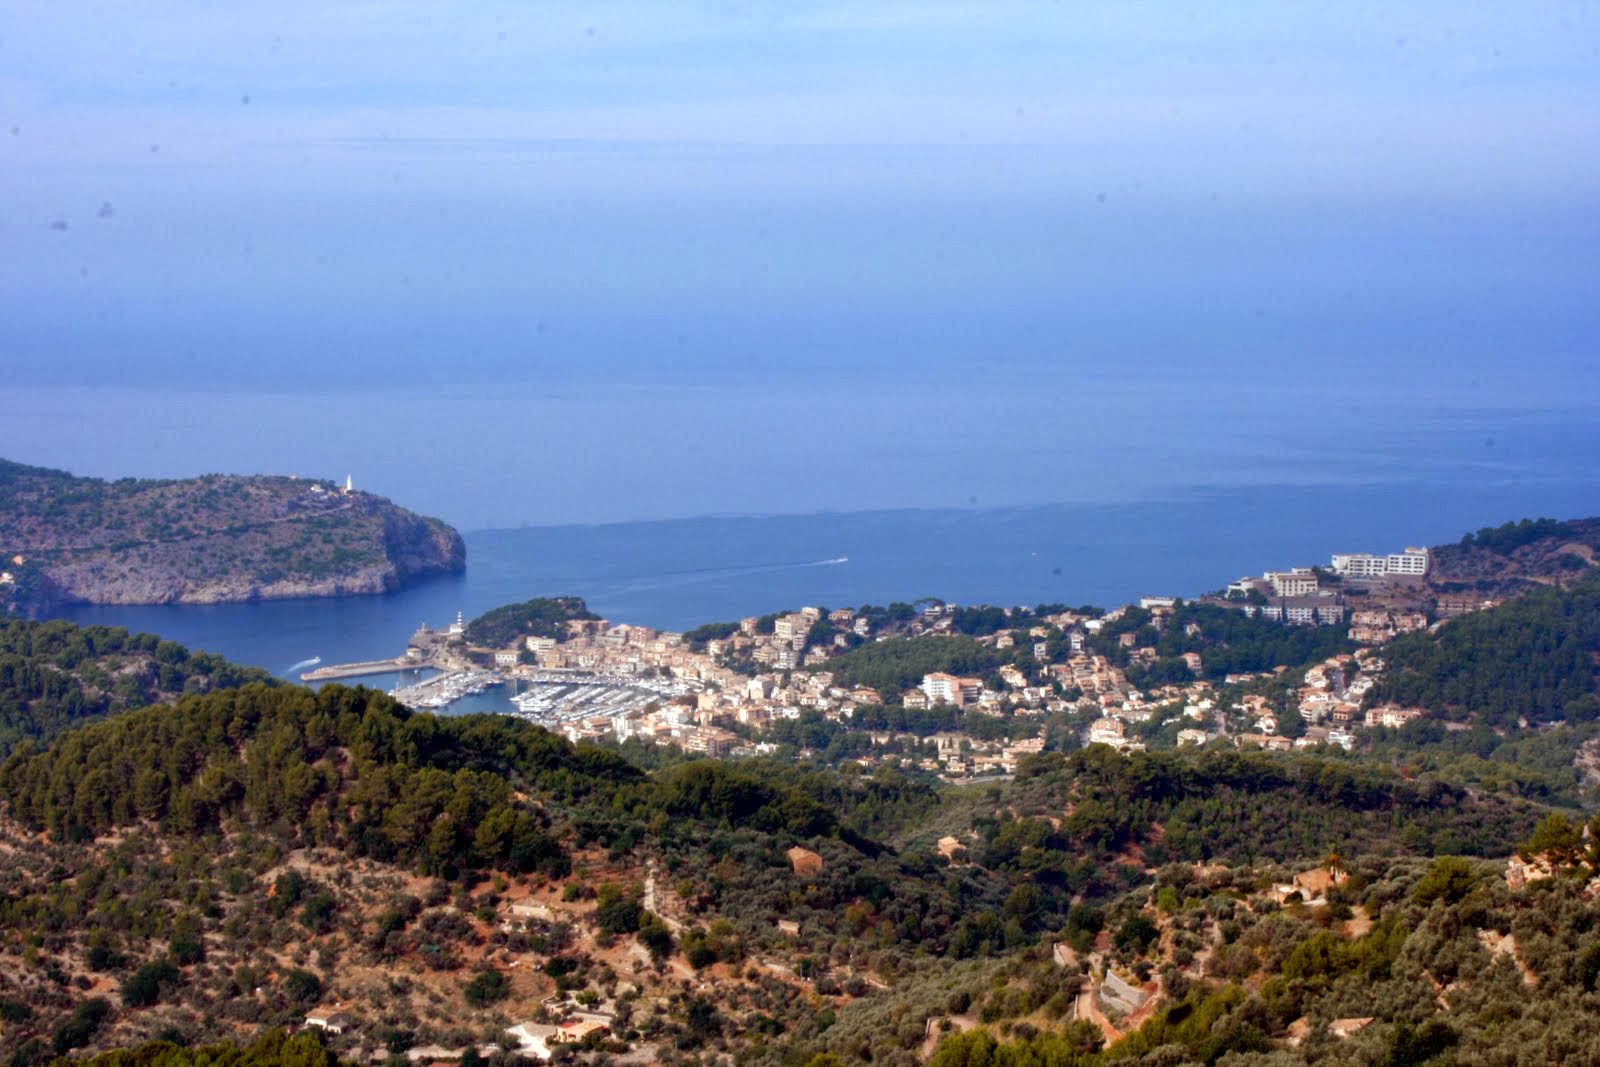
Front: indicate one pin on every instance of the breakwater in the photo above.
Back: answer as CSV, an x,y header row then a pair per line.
x,y
360,670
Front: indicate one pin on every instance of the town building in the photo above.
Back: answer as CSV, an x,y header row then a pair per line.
x,y
789,627
1391,717
1108,731
950,689
1413,562
1298,581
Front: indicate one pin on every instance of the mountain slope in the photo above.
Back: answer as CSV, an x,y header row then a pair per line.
x,y
54,675
1534,659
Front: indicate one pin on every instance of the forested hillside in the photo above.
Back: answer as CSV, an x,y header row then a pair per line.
x,y
342,767
331,837
1534,659
540,617
55,675
1517,557
1228,642
894,666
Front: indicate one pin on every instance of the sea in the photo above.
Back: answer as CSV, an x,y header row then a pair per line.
x,y
1033,463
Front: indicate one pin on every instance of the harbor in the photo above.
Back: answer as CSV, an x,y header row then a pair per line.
x,y
557,698
441,650
445,689
549,697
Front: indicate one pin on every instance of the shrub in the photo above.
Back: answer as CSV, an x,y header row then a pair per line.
x,y
302,987
81,1026
144,987
487,988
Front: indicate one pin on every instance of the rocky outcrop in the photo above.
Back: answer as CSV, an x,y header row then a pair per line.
x,y
211,540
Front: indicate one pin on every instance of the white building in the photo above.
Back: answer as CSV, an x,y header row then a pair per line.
x,y
790,627
949,689
1343,738
1108,731
1413,562
1296,582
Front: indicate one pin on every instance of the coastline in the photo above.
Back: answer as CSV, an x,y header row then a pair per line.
x,y
678,574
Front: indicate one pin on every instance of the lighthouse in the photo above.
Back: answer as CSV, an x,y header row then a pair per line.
x,y
349,483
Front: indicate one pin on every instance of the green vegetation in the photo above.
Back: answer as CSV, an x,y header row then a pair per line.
x,y
487,988
1516,558
1228,641
982,621
540,617
711,631
1508,537
272,1049
1448,925
341,766
893,666
1538,765
1532,658
235,779
1238,807
55,675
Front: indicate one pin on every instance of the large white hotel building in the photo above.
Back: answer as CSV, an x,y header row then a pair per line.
x,y
1413,562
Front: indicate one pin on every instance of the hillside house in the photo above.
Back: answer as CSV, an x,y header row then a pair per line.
x,y
806,863
328,1020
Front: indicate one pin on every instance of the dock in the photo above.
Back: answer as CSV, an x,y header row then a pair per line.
x,y
360,670
447,688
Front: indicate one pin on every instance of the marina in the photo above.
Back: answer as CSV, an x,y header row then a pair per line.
x,y
559,697
445,689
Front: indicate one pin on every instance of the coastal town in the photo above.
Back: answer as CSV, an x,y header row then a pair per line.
x,y
1058,673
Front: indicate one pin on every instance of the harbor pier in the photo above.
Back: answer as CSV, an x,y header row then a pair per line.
x,y
359,670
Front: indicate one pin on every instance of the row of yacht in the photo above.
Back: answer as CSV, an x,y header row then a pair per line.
x,y
445,689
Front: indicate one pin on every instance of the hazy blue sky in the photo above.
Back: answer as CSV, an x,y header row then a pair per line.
x,y
286,197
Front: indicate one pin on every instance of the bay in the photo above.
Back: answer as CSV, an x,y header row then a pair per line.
x,y
677,574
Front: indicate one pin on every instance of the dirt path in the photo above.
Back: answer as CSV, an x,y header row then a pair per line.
x,y
652,904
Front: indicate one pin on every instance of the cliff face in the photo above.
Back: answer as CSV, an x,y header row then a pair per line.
x,y
209,540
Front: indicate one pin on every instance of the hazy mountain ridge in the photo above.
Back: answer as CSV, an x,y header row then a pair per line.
x,y
211,539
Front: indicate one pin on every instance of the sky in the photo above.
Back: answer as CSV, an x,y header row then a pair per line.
x,y
286,199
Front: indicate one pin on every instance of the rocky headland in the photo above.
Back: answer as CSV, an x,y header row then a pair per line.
x,y
213,539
